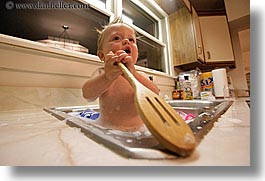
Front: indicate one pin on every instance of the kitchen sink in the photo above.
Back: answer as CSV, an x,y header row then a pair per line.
x,y
205,112
200,115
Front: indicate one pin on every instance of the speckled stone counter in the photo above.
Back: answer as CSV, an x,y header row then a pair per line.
x,y
34,137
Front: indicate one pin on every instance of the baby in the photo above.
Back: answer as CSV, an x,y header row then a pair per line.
x,y
117,43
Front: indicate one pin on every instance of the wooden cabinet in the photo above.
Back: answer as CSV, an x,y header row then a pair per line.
x,y
216,39
199,41
182,36
198,36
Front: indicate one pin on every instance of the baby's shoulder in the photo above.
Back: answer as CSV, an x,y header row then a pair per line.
x,y
142,73
145,75
98,72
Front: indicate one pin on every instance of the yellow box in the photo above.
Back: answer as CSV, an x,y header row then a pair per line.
x,y
206,80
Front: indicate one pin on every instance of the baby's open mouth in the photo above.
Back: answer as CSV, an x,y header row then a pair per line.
x,y
127,50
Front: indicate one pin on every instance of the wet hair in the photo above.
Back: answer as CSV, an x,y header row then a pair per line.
x,y
101,33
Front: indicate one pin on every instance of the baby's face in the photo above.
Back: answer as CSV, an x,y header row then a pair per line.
x,y
120,37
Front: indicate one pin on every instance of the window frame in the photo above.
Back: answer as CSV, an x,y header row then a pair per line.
x,y
93,4
163,38
114,9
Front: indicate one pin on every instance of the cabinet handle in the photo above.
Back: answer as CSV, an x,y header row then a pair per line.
x,y
208,55
199,49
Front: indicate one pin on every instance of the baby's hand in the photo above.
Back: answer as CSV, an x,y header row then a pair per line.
x,y
125,59
112,71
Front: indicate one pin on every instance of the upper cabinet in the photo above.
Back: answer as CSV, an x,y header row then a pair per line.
x,y
216,39
198,36
199,41
182,36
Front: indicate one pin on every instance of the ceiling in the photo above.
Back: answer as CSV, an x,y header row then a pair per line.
x,y
202,7
208,6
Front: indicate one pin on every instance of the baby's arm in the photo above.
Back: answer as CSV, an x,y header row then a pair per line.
x,y
146,82
95,87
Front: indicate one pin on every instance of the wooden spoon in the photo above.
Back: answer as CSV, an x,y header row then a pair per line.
x,y
161,119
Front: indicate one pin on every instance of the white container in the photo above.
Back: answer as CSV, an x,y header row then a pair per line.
x,y
219,81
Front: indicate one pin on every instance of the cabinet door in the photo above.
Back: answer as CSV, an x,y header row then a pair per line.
x,y
182,37
198,37
216,39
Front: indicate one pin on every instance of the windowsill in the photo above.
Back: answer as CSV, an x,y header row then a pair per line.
x,y
37,46
24,44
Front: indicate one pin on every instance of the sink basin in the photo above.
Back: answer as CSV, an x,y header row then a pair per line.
x,y
205,112
142,145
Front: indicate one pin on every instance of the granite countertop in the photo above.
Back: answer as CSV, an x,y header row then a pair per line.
x,y
33,137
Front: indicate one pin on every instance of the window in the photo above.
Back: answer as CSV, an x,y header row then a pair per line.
x,y
152,49
150,53
40,20
75,21
140,18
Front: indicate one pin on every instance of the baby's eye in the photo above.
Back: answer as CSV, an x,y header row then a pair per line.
x,y
131,40
116,38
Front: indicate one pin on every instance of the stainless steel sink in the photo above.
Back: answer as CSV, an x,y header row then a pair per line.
x,y
142,145
206,113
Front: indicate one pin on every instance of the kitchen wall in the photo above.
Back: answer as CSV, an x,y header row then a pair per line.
x,y
236,10
244,38
239,22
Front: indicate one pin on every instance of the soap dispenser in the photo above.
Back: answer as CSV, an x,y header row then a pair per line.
x,y
187,91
